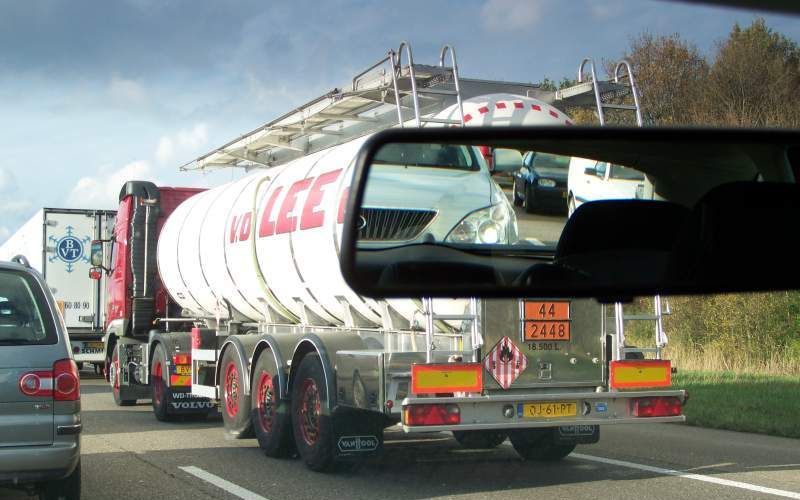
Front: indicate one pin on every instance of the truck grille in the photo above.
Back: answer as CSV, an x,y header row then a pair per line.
x,y
393,224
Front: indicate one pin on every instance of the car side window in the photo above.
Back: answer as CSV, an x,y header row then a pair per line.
x,y
23,311
600,168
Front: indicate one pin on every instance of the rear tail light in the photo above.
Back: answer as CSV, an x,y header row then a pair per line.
x,y
431,414
182,359
66,384
61,384
196,340
37,384
661,406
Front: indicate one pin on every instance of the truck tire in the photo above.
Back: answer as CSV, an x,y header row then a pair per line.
x,y
235,404
538,444
311,417
530,202
160,391
271,417
68,488
476,440
115,380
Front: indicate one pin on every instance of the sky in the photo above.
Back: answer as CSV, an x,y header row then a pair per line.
x,y
94,93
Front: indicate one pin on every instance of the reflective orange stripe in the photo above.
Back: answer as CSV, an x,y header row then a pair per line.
x,y
641,373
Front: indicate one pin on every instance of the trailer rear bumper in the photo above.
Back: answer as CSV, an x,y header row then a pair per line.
x,y
506,412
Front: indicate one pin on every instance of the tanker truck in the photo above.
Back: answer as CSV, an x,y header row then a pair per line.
x,y
233,298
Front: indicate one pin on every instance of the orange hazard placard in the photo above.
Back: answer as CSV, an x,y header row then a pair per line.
x,y
546,320
505,362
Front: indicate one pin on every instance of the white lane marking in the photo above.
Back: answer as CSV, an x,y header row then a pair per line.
x,y
233,489
696,477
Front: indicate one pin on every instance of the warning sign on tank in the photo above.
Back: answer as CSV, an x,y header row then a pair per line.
x,y
505,362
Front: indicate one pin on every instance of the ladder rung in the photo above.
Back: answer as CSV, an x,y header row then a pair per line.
x,y
436,91
640,317
620,106
642,349
440,120
454,317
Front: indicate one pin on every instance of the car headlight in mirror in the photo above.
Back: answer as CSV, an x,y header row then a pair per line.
x,y
547,183
488,225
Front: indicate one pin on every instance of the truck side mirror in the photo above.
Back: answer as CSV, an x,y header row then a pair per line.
x,y
95,273
96,253
590,171
506,160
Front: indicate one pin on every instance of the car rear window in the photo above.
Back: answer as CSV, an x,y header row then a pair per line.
x,y
427,155
24,314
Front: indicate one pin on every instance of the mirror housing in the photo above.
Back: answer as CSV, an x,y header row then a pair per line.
x,y
590,171
95,273
506,160
96,253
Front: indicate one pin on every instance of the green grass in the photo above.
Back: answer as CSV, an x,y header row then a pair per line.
x,y
765,404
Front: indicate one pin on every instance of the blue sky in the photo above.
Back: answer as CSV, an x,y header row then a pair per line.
x,y
93,93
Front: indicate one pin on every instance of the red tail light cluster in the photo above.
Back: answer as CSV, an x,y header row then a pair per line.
x,y
431,414
196,341
669,406
62,383
182,359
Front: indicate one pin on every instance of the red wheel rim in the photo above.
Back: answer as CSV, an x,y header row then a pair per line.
x,y
158,388
265,403
231,390
310,412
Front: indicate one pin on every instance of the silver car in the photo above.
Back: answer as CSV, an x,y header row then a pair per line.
x,y
40,420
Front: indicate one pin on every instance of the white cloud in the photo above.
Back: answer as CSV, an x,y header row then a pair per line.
x,y
511,15
101,191
185,142
126,90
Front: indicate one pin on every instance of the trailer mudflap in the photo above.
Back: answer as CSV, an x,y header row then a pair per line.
x,y
357,433
182,401
577,434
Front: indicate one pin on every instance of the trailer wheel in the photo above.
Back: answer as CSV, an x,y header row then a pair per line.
x,y
271,419
115,377
311,418
235,404
157,385
475,440
538,444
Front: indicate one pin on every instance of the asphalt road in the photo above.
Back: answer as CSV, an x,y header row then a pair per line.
x,y
127,454
540,227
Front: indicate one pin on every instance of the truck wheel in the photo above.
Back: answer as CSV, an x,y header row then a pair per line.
x,y
157,385
311,418
517,199
537,444
475,440
114,378
530,202
235,404
271,419
68,488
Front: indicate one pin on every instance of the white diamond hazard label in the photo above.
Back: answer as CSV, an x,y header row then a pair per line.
x,y
505,362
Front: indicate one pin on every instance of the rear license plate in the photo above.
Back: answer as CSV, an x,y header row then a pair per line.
x,y
94,345
546,320
550,410
183,370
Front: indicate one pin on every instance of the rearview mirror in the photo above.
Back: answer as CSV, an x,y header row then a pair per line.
x,y
425,217
96,253
506,160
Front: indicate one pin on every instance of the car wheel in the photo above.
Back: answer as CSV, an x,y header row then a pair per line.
x,y
515,196
537,444
235,403
271,419
529,200
311,420
160,397
476,440
68,488
114,379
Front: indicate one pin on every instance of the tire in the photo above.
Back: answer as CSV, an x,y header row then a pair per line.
x,y
68,488
235,404
271,417
311,420
530,206
537,444
476,440
115,380
160,396
516,198
80,365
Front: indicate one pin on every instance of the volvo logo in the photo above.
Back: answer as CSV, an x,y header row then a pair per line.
x,y
361,223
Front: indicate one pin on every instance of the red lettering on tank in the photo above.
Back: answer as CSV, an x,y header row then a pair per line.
x,y
267,227
343,204
234,226
287,223
311,217
245,224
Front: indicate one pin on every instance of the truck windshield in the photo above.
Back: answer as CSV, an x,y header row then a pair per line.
x,y
21,311
428,155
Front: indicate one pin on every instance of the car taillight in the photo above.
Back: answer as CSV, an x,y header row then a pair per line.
x,y
38,384
182,359
661,406
66,384
431,414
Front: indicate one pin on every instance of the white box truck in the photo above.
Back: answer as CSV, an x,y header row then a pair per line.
x,y
56,242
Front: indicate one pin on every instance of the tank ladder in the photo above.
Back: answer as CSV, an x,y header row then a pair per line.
x,y
621,351
602,95
470,326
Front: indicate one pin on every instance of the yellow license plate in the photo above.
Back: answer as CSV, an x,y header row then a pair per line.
x,y
550,410
183,370
94,345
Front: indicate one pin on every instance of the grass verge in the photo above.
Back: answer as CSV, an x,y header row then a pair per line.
x,y
765,404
